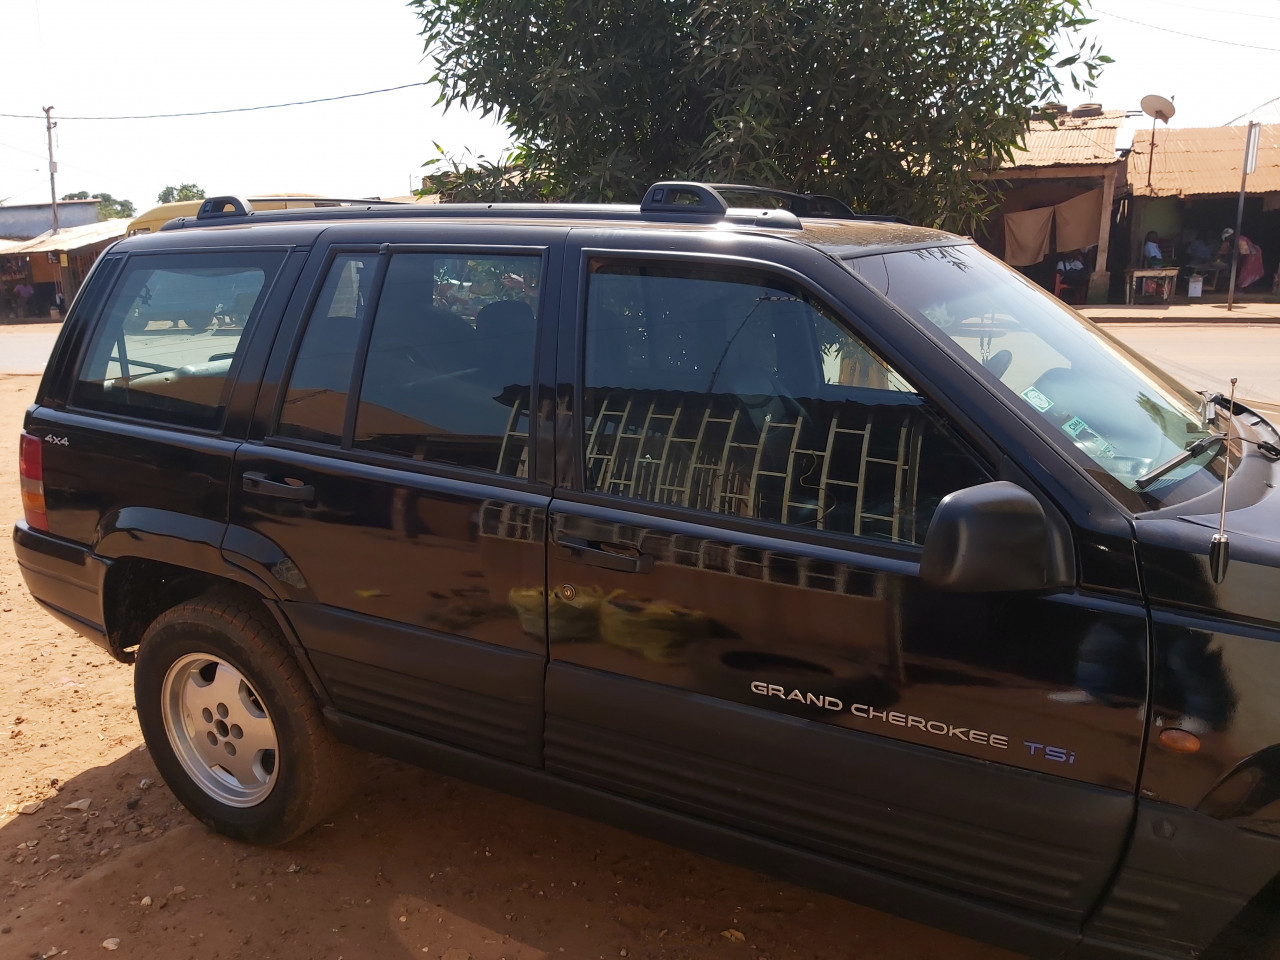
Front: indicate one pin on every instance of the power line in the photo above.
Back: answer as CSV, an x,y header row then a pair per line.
x,y
1181,33
1254,110
10,146
1220,12
206,113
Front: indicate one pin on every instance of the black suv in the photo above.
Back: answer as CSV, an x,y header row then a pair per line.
x,y
821,543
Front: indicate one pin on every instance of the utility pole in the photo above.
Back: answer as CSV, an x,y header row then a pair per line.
x,y
1246,168
53,165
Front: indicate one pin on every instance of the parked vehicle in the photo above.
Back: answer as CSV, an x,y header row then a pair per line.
x,y
819,543
154,219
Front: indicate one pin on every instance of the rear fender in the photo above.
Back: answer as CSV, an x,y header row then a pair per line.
x,y
178,539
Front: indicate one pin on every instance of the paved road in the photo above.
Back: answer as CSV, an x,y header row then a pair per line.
x,y
25,347
1202,355
1206,355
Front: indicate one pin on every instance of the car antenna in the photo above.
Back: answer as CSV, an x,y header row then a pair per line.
x,y
1219,548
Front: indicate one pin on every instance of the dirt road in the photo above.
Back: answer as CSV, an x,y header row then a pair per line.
x,y
416,865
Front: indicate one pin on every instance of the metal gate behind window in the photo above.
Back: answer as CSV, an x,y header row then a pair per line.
x,y
829,465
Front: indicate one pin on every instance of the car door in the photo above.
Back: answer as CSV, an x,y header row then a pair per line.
x,y
390,496
737,626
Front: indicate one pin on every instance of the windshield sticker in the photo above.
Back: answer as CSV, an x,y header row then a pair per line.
x,y
1088,440
1037,399
1075,426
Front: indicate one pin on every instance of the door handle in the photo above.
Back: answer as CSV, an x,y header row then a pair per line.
x,y
611,556
255,482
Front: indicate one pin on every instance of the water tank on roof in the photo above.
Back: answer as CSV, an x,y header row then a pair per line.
x,y
1087,110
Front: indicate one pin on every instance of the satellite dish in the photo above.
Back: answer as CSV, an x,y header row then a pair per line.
x,y
1154,105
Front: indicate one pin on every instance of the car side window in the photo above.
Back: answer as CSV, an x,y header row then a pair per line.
x,y
315,401
450,361
171,333
735,392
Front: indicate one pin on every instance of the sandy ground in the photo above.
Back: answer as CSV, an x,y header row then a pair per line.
x,y
416,865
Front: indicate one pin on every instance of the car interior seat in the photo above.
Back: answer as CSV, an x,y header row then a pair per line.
x,y
505,341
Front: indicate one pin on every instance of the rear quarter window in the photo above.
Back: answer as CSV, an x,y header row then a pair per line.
x,y
171,334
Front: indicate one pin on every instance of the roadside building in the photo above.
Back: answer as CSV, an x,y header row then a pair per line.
x,y
27,220
1057,194
1185,187
48,263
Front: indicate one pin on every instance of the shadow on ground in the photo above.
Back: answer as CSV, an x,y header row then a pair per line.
x,y
415,865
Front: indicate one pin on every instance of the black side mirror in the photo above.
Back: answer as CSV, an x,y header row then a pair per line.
x,y
988,538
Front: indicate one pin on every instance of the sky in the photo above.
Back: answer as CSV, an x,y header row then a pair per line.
x,y
89,58
129,57
1215,60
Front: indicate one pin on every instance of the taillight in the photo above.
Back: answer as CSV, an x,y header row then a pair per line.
x,y
31,472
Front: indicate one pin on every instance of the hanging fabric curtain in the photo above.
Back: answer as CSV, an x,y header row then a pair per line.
x,y
1026,236
1078,221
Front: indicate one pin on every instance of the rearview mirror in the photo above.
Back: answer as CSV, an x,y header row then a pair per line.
x,y
988,538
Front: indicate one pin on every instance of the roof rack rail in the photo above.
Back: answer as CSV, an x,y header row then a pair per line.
x,y
692,197
227,206
680,196
808,204
233,206
801,204
676,200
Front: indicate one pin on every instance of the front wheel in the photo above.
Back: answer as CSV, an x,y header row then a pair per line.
x,y
232,724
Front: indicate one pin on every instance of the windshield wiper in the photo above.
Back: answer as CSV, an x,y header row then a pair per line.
x,y
1193,451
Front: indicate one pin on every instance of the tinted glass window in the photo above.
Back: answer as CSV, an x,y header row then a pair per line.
x,y
1126,417
171,333
315,402
736,393
450,361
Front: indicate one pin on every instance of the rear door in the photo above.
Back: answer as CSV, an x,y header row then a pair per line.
x,y
391,495
737,626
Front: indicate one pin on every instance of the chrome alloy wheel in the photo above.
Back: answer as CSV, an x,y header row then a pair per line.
x,y
219,730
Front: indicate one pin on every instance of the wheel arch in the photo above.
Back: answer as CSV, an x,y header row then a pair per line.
x,y
136,590
1254,933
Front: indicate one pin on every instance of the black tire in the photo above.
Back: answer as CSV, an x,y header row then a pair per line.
x,y
232,724
198,322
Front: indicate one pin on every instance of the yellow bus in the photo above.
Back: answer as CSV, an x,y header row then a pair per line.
x,y
157,217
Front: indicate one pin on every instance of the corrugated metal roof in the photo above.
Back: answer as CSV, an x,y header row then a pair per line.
x,y
72,238
1075,141
1202,161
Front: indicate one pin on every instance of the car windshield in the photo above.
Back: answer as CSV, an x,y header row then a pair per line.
x,y
1128,418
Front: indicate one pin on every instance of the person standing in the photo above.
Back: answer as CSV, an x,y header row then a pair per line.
x,y
1249,269
24,291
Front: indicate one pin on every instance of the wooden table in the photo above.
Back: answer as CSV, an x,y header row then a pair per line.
x,y
1162,276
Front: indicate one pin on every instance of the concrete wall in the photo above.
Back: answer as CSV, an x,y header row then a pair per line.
x,y
24,221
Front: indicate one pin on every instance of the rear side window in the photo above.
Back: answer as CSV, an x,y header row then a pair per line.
x,y
316,400
171,334
448,360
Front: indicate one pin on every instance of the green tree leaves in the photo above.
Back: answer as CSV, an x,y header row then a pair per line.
x,y
109,208
888,104
185,191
